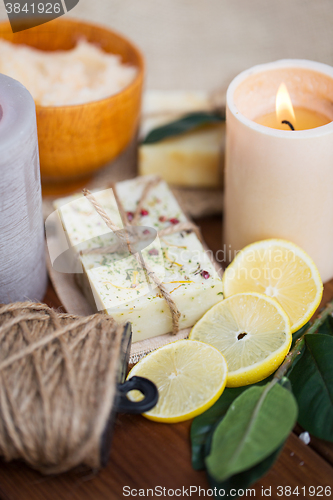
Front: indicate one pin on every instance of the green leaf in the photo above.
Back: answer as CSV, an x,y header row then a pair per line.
x,y
244,479
256,424
184,124
312,383
204,423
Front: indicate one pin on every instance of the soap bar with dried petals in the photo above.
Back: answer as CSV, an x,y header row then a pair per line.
x,y
117,284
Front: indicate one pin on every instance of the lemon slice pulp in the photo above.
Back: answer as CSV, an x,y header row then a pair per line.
x,y
253,333
281,270
190,377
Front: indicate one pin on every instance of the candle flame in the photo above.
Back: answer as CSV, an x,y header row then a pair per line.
x,y
284,107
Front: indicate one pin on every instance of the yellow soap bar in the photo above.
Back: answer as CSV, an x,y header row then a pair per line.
x,y
194,159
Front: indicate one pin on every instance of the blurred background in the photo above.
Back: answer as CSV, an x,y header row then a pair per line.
x,y
198,45
203,44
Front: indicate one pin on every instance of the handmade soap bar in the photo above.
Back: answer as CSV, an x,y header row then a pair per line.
x,y
193,159
116,281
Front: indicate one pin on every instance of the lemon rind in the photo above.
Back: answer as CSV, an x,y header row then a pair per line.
x,y
183,416
300,253
247,376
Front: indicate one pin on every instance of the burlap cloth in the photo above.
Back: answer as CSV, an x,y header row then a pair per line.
x,y
203,44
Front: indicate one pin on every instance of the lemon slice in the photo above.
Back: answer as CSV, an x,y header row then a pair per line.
x,y
281,270
190,377
253,333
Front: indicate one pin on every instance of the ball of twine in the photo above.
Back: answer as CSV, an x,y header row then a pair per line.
x,y
58,377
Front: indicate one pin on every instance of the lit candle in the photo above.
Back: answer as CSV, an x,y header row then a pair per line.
x,y
22,264
285,117
279,181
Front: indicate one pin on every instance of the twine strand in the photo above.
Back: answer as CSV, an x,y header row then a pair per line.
x,y
123,214
148,187
42,342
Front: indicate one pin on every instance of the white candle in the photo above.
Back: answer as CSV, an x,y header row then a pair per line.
x,y
279,182
22,264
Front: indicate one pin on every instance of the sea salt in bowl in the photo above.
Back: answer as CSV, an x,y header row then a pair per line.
x,y
76,140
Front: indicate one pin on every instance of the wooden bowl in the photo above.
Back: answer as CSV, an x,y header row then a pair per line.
x,y
74,141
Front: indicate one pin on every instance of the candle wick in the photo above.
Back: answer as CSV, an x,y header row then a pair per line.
x,y
288,123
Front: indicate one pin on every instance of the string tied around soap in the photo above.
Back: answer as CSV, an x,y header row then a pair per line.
x,y
125,238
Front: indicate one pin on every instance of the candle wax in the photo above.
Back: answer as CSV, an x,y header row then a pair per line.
x,y
304,119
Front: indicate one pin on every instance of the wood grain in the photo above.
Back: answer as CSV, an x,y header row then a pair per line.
x,y
323,448
76,140
146,454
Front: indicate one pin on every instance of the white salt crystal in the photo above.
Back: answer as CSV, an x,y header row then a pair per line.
x,y
305,437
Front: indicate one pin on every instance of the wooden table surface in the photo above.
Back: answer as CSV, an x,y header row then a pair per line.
x,y
146,454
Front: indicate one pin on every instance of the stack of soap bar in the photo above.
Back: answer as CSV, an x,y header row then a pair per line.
x,y
163,106
117,284
194,159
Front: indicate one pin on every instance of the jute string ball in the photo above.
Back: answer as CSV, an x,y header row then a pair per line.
x,y
58,377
